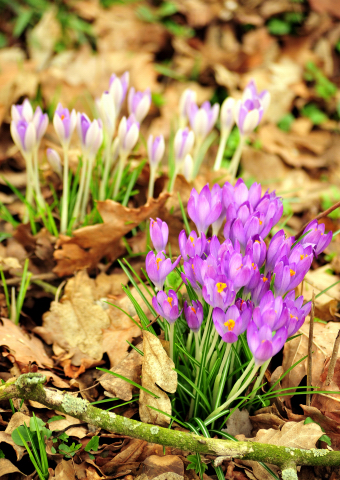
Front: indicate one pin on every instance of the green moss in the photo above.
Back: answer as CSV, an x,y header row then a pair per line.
x,y
74,406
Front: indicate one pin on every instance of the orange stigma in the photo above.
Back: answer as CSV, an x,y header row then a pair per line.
x,y
157,261
191,240
193,310
264,279
292,273
62,116
230,324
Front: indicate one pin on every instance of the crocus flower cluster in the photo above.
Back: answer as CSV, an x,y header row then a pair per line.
x,y
249,283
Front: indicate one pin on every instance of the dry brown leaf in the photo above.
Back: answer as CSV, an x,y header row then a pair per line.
x,y
130,454
129,367
86,327
22,347
17,420
297,348
7,438
91,244
239,423
7,467
79,432
157,370
155,466
320,280
64,470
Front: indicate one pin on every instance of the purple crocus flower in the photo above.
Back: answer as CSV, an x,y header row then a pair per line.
x,y
128,133
238,269
54,160
139,103
107,113
316,237
90,134
248,115
242,305
297,312
191,246
24,135
272,311
204,208
232,323
218,291
263,345
183,143
257,249
272,208
156,148
189,275
64,124
278,248
166,305
22,112
40,122
290,273
202,120
251,92
216,194
187,98
260,285
158,268
118,88
193,315
159,234
235,230
227,117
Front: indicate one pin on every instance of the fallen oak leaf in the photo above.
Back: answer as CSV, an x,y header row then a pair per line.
x,y
90,244
157,371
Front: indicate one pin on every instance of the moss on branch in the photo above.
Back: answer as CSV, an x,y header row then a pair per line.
x,y
30,387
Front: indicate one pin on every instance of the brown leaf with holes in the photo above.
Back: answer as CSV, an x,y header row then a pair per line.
x,y
90,244
157,371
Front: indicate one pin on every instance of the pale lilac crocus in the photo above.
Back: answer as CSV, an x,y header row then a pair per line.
x,y
248,115
218,291
193,315
117,88
204,208
316,237
156,148
107,113
166,305
232,323
158,268
54,160
159,234
64,123
139,103
191,245
187,98
40,122
24,135
251,92
297,312
22,112
203,119
183,144
90,134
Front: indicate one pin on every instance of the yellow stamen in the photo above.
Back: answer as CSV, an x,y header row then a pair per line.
x,y
292,316
238,268
230,324
264,279
157,261
220,287
260,222
257,241
303,256
292,273
170,300
254,266
191,240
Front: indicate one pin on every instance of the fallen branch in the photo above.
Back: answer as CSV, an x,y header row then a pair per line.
x,y
29,386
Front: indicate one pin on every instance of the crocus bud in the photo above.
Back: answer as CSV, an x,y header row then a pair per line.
x,y
107,113
193,315
139,103
128,132
202,120
118,88
263,345
53,159
188,167
64,124
90,134
156,150
159,234
187,98
40,122
22,112
166,305
184,141
24,135
227,115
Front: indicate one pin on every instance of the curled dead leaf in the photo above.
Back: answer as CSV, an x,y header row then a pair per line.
x,y
157,371
90,244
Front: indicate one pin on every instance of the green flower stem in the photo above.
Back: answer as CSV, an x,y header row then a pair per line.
x,y
107,167
242,377
30,387
172,181
64,205
212,346
171,339
80,192
236,395
218,388
260,377
40,198
86,196
189,341
121,164
223,141
235,161
30,183
151,181
197,163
